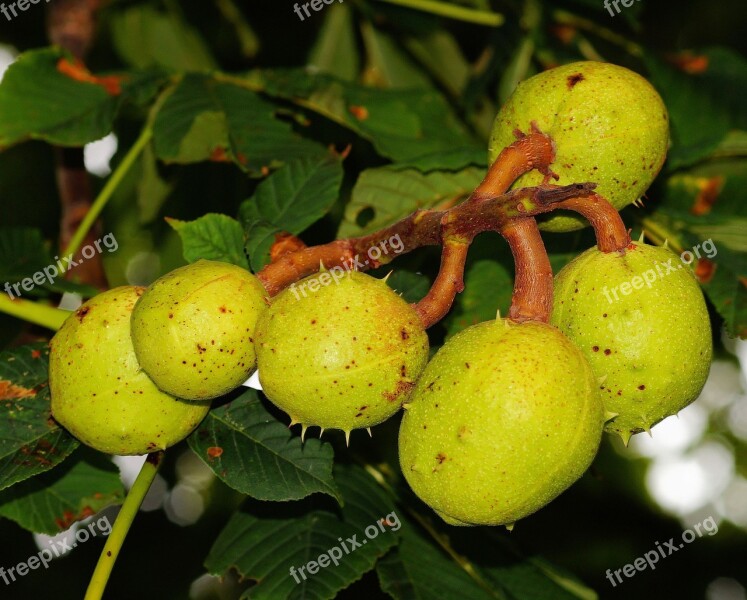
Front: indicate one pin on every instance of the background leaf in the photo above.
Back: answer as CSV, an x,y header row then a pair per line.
x,y
252,452
385,195
52,502
30,441
212,237
291,199
262,542
204,118
402,124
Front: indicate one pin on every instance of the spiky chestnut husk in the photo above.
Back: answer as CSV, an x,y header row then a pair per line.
x,y
193,329
504,418
609,126
651,347
100,394
340,354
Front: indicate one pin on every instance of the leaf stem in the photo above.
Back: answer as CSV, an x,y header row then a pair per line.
x,y
122,525
108,190
459,13
567,18
33,312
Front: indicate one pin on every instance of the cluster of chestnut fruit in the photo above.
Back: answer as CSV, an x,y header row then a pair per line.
x,y
503,418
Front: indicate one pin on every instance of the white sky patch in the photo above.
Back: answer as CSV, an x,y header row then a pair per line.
x,y
683,484
97,155
8,55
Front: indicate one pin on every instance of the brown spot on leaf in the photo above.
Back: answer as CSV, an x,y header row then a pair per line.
x,y
709,190
359,112
689,63
219,154
9,391
76,70
214,452
704,270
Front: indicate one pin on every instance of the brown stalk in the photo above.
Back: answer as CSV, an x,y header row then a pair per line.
x,y
71,25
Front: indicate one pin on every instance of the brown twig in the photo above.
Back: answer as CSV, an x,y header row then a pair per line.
x,y
533,151
425,228
533,283
611,233
489,208
71,25
449,282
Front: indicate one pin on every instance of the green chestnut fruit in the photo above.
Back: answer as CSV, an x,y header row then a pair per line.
x,y
504,418
100,394
641,321
609,126
340,351
193,329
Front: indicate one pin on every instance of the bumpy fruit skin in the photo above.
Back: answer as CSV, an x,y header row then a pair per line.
x,y
345,356
504,418
193,329
100,394
652,345
608,123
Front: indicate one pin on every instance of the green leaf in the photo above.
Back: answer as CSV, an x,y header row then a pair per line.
x,y
292,198
488,287
387,66
145,37
263,541
401,124
702,106
411,286
260,236
458,158
507,572
206,118
336,48
252,452
441,55
213,237
23,253
387,194
52,502
152,189
418,568
30,441
706,205
296,195
37,101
